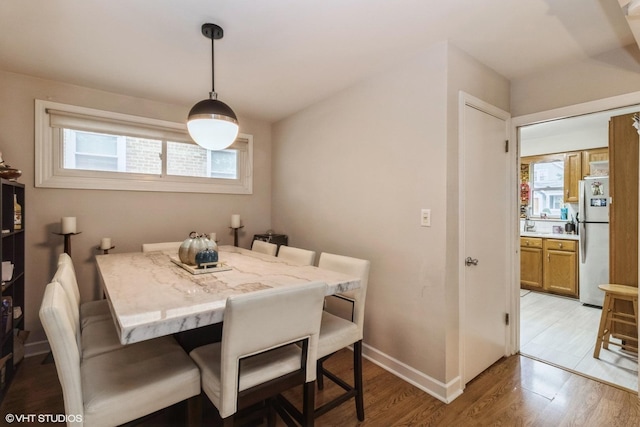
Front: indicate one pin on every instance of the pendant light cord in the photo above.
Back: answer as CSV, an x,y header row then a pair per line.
x,y
213,84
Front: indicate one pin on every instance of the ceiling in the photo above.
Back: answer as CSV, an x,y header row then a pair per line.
x,y
280,56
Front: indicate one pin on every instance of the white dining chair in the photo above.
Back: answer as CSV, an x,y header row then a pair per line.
x,y
258,358
120,386
89,311
264,247
97,335
340,329
162,246
297,255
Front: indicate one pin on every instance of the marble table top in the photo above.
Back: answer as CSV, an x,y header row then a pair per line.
x,y
150,296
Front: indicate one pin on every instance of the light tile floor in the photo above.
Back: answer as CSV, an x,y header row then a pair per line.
x,y
563,332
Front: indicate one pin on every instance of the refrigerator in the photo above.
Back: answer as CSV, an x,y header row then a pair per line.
x,y
593,235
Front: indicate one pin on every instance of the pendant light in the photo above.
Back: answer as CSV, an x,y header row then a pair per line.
x,y
212,124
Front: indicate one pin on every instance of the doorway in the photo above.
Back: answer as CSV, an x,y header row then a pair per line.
x,y
556,329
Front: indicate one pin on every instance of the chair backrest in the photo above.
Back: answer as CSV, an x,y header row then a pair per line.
x,y
65,259
354,267
57,319
263,320
297,255
66,277
264,247
163,246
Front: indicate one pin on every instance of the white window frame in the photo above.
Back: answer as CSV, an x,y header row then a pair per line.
x,y
49,171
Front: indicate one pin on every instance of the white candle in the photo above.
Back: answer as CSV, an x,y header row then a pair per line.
x,y
68,224
235,221
105,243
212,236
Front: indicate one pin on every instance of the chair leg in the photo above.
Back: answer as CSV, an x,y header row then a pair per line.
x,y
319,375
603,324
194,411
357,378
271,412
229,421
308,404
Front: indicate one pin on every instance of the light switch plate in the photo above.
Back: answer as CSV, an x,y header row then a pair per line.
x,y
425,218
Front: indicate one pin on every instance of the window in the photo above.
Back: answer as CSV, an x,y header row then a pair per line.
x,y
78,147
547,189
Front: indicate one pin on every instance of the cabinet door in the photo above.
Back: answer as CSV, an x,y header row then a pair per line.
x,y
531,267
593,155
572,175
560,272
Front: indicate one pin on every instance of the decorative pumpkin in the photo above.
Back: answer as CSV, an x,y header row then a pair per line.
x,y
190,248
211,244
206,256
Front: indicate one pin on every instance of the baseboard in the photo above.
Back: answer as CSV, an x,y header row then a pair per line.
x,y
444,392
36,348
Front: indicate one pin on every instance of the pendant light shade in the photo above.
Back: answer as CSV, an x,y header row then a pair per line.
x,y
211,123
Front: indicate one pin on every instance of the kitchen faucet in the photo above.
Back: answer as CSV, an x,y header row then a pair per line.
x,y
528,224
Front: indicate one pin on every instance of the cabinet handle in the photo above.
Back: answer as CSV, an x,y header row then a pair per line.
x,y
560,245
548,257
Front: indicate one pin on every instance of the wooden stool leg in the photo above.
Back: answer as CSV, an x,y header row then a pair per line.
x,y
606,310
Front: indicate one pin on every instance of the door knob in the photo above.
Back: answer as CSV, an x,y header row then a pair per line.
x,y
470,261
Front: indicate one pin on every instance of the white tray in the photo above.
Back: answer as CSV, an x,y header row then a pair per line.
x,y
214,267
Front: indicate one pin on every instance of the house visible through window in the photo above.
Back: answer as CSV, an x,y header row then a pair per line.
x,y
547,188
106,150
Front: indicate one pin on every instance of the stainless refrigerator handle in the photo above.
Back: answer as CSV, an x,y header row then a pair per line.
x,y
581,200
582,236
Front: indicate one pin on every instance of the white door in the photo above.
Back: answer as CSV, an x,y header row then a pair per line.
x,y
484,238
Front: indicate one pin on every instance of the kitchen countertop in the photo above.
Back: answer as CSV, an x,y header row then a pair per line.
x,y
548,235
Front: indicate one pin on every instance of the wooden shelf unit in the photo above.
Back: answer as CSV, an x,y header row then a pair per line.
x,y
12,249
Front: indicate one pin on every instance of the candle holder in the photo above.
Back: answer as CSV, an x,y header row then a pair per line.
x,y
105,251
67,241
235,234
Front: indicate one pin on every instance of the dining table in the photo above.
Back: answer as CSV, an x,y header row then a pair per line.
x,y
152,294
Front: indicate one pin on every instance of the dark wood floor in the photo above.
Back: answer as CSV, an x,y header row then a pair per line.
x,y
516,391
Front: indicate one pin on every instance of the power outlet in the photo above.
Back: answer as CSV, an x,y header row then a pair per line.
x,y
425,218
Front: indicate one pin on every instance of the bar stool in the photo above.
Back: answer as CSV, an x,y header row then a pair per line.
x,y
609,316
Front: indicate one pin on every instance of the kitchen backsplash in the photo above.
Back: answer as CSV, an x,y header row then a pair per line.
x,y
547,225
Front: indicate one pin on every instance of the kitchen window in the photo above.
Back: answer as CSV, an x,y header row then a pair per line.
x,y
546,186
547,189
78,147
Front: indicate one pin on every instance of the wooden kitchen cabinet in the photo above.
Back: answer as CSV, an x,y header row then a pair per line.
x,y
572,175
593,155
560,266
531,263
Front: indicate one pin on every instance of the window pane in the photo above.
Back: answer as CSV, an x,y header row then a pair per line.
x,y
548,188
96,163
143,156
224,164
96,143
113,153
186,159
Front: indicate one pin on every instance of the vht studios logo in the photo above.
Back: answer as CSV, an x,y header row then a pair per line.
x,y
42,418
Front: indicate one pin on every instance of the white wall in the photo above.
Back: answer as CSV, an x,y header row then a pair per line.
x,y
612,73
350,175
128,217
